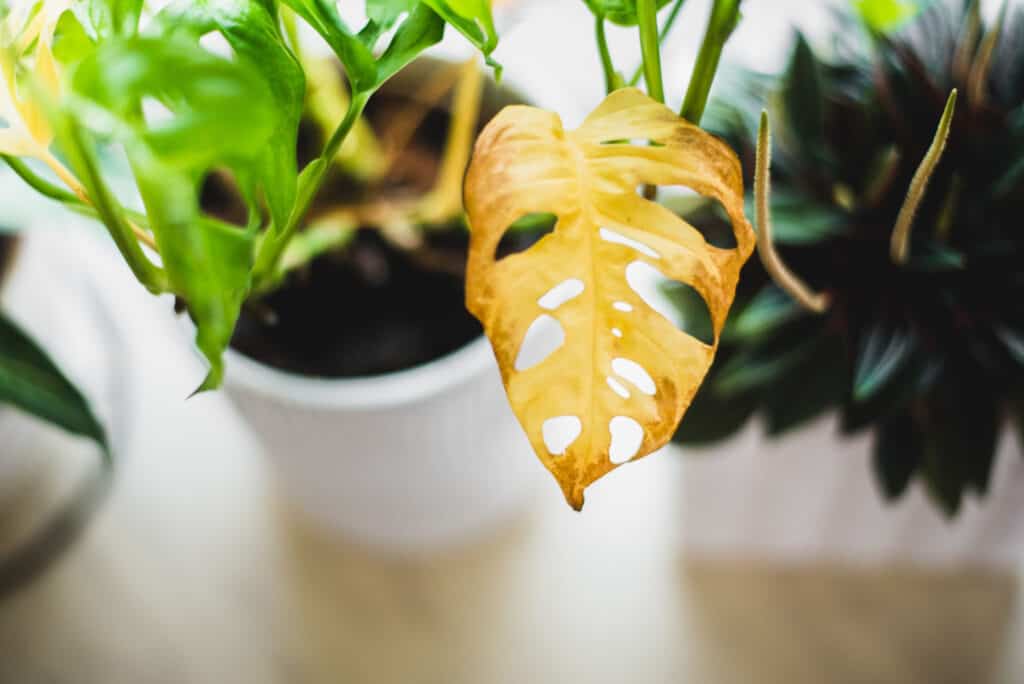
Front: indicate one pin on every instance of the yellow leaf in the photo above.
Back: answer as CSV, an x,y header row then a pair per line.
x,y
621,362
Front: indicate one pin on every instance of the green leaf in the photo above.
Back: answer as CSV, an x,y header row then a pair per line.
x,y
896,454
800,220
883,353
884,16
712,418
360,65
769,309
419,31
761,365
813,386
32,382
254,34
110,18
386,12
621,12
473,19
804,102
71,43
207,264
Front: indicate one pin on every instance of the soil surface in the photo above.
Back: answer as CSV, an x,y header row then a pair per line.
x,y
371,308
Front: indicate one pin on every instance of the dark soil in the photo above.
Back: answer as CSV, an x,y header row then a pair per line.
x,y
370,308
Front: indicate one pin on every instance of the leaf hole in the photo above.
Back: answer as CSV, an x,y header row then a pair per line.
x,y
677,302
635,142
624,307
706,214
215,42
619,239
636,374
627,438
155,112
523,233
618,387
543,338
564,292
559,433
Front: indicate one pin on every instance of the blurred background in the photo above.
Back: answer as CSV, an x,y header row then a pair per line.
x,y
202,567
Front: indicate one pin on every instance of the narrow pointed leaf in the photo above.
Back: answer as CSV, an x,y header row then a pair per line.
x,y
621,363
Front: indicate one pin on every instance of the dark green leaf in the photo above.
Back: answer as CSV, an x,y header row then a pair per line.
x,y
712,418
883,353
897,454
799,220
761,365
814,386
30,381
769,309
803,101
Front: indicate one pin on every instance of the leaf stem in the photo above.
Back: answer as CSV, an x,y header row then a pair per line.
x,y
662,35
647,19
777,269
610,78
310,180
38,183
900,245
724,16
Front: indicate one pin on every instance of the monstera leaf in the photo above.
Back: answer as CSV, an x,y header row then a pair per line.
x,y
623,376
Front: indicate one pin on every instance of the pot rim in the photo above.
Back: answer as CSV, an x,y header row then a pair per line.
x,y
411,385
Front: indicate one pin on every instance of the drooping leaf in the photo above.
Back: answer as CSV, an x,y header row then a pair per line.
x,y
803,101
622,365
32,382
814,386
770,308
712,418
207,264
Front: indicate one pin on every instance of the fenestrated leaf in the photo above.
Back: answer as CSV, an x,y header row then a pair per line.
x,y
32,382
621,360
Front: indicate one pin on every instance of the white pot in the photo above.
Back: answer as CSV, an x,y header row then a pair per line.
x,y
406,462
812,497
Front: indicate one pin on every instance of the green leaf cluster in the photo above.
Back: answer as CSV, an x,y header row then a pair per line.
x,y
201,86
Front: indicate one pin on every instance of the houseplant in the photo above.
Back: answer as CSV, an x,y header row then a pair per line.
x,y
32,384
92,72
907,384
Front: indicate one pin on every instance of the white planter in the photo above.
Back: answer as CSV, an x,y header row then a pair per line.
x,y
405,462
812,497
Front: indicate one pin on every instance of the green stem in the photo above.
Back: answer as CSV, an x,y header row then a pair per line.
x,y
310,180
110,211
662,35
39,184
724,16
610,77
647,18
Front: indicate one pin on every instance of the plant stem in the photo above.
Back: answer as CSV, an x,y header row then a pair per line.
x,y
310,180
773,263
39,184
899,248
662,35
724,17
610,80
647,18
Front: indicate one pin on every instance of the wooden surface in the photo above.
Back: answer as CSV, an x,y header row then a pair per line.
x,y
198,573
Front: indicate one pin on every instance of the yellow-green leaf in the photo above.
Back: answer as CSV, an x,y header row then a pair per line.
x,y
621,363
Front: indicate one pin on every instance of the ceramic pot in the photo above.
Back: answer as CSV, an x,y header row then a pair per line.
x,y
811,497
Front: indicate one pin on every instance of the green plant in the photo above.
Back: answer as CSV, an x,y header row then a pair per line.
x,y
923,338
84,74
